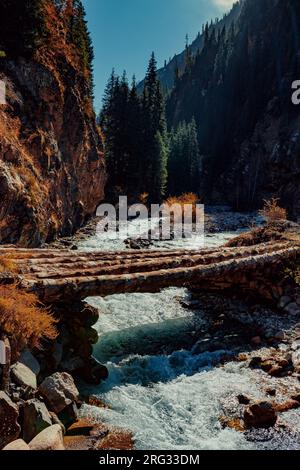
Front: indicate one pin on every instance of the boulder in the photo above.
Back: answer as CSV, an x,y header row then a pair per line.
x,y
284,301
69,415
292,309
59,391
49,439
36,419
260,415
9,426
23,376
243,399
30,361
57,354
55,420
17,445
296,360
296,345
280,336
256,341
93,372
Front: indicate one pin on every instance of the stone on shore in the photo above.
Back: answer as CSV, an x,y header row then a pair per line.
x,y
292,309
296,360
17,445
30,361
36,419
49,439
9,427
260,415
59,391
23,376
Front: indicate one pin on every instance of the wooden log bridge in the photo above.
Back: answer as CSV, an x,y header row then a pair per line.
x,y
67,276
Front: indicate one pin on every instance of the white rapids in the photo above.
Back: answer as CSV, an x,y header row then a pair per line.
x,y
168,397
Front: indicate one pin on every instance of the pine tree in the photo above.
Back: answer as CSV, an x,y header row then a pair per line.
x,y
184,166
22,27
154,122
135,136
160,167
81,38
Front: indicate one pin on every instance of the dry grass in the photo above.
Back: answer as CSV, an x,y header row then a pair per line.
x,y
272,212
143,198
187,198
294,273
256,236
181,201
7,266
24,320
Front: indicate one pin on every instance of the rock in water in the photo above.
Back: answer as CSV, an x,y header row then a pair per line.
x,y
36,419
9,426
17,445
49,439
60,391
260,415
23,376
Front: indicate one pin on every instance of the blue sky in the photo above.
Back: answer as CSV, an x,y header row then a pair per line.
x,y
125,32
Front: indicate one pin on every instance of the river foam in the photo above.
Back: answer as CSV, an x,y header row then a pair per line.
x,y
168,397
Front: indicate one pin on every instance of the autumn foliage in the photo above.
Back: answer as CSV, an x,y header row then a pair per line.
x,y
182,201
24,320
272,212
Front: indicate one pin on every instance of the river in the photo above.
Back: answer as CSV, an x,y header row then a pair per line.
x,y
159,387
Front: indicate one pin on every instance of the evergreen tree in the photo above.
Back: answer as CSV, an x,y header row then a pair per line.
x,y
160,167
184,159
154,122
81,38
22,27
135,136
136,139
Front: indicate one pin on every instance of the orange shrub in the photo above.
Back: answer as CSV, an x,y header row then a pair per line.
x,y
7,266
187,198
24,320
272,212
143,198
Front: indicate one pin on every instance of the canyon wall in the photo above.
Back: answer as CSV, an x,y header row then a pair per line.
x,y
52,170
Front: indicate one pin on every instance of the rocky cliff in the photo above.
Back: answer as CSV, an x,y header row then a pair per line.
x,y
52,171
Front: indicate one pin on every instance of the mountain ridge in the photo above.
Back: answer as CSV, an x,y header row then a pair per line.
x,y
166,74
239,92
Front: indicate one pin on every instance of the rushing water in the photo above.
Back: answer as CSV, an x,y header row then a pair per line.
x,y
169,396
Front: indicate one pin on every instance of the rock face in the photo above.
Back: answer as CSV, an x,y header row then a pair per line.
x,y
259,415
49,439
9,426
60,391
23,376
52,170
36,419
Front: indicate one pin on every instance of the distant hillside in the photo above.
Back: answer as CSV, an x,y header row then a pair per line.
x,y
166,74
238,90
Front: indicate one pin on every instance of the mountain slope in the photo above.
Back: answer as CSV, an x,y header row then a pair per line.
x,y
239,91
52,172
166,74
